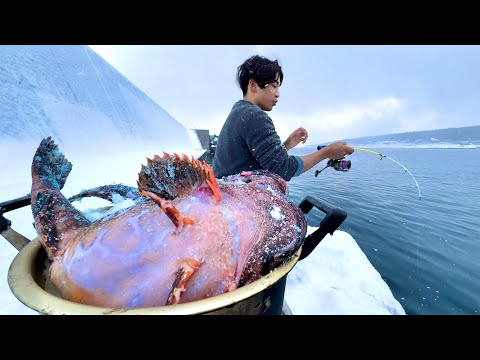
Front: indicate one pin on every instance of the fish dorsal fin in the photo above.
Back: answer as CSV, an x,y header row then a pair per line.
x,y
172,176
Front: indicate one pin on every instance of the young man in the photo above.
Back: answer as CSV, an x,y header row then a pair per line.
x,y
248,140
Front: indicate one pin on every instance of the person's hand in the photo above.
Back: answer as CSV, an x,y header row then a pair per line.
x,y
338,150
299,135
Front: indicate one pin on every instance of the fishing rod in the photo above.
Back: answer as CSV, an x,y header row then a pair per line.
x,y
345,165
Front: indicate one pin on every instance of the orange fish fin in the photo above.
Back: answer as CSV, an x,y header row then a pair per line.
x,y
184,274
213,184
171,211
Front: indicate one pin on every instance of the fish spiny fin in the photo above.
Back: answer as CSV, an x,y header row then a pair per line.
x,y
172,176
184,274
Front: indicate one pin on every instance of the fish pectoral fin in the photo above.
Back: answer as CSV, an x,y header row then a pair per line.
x,y
213,184
171,211
184,274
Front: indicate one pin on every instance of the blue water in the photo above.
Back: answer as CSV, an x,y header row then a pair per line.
x,y
426,250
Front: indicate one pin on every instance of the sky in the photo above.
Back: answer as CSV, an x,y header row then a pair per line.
x,y
336,278
335,91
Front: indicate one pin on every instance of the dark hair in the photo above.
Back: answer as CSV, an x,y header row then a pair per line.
x,y
260,69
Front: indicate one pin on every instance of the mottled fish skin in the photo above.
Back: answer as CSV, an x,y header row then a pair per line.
x,y
139,258
282,223
171,176
56,220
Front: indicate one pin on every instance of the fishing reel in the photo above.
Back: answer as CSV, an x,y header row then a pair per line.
x,y
344,165
337,164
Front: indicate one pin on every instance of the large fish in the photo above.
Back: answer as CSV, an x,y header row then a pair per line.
x,y
188,236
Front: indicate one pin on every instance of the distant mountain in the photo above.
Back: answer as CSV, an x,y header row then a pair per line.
x,y
462,137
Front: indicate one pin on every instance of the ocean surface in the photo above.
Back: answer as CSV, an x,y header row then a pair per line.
x,y
426,250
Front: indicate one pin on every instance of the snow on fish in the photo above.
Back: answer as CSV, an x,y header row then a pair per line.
x,y
186,237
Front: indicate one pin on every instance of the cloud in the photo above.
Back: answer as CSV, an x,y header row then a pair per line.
x,y
379,116
104,51
260,50
323,125
210,121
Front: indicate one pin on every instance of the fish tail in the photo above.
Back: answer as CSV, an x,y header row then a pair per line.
x,y
56,220
50,166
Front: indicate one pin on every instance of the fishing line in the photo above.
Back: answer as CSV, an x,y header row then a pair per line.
x,y
344,165
404,168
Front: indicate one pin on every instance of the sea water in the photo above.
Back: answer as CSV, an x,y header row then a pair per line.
x,y
426,250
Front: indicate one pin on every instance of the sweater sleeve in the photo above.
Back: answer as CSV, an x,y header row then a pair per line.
x,y
267,148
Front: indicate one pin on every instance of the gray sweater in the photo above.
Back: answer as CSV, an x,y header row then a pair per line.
x,y
248,141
